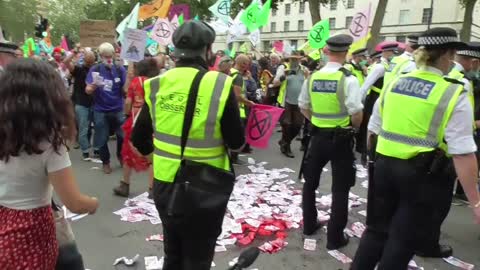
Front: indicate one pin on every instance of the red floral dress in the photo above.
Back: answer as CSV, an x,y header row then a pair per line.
x,y
130,156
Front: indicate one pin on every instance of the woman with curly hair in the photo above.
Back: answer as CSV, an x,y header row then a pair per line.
x,y
37,122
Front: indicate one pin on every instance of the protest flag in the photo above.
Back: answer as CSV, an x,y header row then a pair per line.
x,y
181,19
221,10
162,31
233,52
179,9
158,8
359,27
64,44
250,16
131,21
319,34
359,44
264,14
278,46
261,124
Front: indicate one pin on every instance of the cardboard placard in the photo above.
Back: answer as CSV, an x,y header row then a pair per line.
x,y
95,32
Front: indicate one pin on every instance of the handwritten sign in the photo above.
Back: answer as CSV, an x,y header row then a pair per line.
x,y
95,32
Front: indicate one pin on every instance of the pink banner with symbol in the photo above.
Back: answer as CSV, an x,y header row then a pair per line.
x,y
278,46
261,124
359,26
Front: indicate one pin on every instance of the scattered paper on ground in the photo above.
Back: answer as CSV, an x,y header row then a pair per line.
x,y
140,208
458,263
126,260
155,237
153,263
339,256
310,244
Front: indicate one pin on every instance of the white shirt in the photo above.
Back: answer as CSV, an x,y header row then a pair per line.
x,y
24,180
280,72
411,66
467,85
353,99
377,72
459,130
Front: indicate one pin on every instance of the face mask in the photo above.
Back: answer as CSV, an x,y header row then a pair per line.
x,y
472,74
325,58
363,63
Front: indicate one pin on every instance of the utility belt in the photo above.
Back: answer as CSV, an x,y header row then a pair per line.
x,y
434,162
336,134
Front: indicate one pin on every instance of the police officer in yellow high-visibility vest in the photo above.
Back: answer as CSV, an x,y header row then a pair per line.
x,y
418,118
357,65
189,240
330,98
403,63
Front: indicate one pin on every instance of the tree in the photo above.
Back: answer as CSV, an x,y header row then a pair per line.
x,y
377,23
466,31
18,18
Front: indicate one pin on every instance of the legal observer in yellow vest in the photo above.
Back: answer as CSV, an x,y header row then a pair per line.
x,y
175,103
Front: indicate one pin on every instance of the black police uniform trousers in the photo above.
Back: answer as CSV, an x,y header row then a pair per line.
x,y
440,199
189,241
397,209
329,145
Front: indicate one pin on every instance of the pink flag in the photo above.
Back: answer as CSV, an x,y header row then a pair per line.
x,y
64,44
360,24
215,66
278,46
162,32
261,123
179,9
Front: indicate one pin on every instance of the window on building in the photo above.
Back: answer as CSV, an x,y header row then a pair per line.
x,y
404,16
333,4
266,45
401,39
274,12
382,38
286,26
333,22
301,25
302,8
427,14
287,9
294,44
273,27
351,4
348,21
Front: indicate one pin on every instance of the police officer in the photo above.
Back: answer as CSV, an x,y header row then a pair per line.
x,y
403,63
331,99
189,239
417,118
358,66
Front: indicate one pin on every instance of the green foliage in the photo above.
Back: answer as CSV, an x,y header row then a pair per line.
x,y
17,17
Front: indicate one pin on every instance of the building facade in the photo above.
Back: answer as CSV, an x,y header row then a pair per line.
x,y
292,21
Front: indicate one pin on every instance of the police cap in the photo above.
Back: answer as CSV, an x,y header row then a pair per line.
x,y
375,54
339,43
192,38
412,39
360,52
472,50
440,38
7,47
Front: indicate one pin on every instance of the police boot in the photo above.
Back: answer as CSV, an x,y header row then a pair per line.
x,y
440,251
123,190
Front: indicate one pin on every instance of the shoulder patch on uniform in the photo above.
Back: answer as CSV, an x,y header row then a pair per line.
x,y
345,71
452,80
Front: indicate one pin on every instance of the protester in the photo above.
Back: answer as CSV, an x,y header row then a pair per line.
x,y
106,81
225,65
144,70
34,156
266,78
190,230
83,102
292,119
7,54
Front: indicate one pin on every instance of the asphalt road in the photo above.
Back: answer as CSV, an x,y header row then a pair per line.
x,y
103,237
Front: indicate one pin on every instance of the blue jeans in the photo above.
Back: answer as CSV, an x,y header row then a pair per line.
x,y
84,119
104,122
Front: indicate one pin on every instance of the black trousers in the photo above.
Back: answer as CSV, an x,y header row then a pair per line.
x,y
400,205
325,147
189,241
361,136
441,195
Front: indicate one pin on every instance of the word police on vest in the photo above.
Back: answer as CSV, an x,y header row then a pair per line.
x,y
176,103
414,87
324,86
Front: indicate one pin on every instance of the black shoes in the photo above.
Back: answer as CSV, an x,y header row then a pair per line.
x,y
343,242
440,251
313,230
286,149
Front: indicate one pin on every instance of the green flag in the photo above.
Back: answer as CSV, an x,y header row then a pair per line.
x,y
244,48
264,14
233,53
181,19
131,21
196,18
319,34
250,16
315,55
